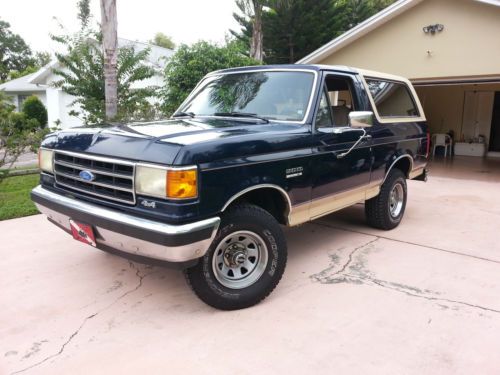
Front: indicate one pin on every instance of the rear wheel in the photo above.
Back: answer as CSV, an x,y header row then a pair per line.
x,y
386,210
244,263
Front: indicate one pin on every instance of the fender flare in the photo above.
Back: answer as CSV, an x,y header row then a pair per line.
x,y
395,161
261,186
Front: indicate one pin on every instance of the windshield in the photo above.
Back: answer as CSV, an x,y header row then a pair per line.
x,y
274,95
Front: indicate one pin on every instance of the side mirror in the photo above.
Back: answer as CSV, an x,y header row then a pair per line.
x,y
361,119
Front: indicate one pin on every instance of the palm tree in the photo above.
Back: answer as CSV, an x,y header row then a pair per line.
x,y
109,44
253,10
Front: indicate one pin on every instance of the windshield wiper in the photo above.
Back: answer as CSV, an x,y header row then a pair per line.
x,y
242,114
184,114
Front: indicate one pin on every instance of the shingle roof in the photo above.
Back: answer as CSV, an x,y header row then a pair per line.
x,y
21,84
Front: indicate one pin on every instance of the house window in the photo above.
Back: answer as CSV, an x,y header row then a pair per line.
x,y
392,99
20,101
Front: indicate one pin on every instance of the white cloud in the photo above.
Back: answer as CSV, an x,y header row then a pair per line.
x,y
186,21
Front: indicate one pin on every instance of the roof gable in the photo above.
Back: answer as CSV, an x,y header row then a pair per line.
x,y
367,26
21,84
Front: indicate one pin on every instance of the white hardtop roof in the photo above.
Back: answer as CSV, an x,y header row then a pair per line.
x,y
363,72
375,74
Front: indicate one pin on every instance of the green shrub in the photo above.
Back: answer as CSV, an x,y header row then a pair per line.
x,y
18,134
33,108
21,122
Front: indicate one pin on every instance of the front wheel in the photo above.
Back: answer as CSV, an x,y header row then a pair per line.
x,y
386,210
244,263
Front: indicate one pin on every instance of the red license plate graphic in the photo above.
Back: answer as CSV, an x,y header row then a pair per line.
x,y
82,232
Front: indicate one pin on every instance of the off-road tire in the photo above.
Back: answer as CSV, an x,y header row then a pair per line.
x,y
203,280
378,209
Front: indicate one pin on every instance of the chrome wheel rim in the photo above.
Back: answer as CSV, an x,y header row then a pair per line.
x,y
396,198
240,259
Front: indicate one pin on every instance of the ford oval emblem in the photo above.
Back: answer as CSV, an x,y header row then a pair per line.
x,y
87,176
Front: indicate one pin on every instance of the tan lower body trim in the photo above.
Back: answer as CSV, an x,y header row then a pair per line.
x,y
323,206
299,214
416,172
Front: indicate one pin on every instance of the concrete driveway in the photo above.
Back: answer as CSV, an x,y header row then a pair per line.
x,y
423,298
27,159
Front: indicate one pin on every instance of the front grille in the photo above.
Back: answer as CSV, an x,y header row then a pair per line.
x,y
113,179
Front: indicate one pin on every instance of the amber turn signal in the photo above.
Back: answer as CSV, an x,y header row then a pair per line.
x,y
182,184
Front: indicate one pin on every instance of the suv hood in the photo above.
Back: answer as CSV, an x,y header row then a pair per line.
x,y
168,142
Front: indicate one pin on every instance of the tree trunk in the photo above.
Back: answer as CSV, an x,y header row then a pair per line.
x,y
256,48
110,49
290,49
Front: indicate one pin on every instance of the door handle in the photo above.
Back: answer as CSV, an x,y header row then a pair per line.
x,y
360,139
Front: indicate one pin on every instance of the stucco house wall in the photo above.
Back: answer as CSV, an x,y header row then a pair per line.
x,y
468,45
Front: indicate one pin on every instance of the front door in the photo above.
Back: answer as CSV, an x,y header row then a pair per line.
x,y
341,172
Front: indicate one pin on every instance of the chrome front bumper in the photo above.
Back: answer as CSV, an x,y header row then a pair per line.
x,y
130,234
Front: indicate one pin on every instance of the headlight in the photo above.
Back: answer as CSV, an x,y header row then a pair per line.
x,y
45,160
167,183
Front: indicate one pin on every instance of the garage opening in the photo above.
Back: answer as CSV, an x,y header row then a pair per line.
x,y
469,112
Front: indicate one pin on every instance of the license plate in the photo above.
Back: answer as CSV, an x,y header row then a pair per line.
x,y
82,232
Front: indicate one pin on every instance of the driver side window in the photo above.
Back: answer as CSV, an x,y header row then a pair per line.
x,y
340,93
324,114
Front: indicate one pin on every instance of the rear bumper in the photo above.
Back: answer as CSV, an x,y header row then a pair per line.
x,y
130,234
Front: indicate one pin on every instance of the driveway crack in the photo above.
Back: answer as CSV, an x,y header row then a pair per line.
x,y
384,284
364,277
85,320
407,242
319,276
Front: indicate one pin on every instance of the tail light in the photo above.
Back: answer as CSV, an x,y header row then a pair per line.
x,y
428,151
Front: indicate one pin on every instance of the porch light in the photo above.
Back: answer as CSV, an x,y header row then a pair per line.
x,y
433,28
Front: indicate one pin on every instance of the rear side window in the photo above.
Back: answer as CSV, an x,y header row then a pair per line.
x,y
392,99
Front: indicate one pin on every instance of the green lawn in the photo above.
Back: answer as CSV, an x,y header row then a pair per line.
x,y
15,196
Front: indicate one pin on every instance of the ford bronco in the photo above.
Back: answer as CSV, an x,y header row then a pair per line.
x,y
250,150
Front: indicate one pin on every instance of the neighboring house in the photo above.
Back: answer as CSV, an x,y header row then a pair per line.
x,y
59,103
20,88
449,49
